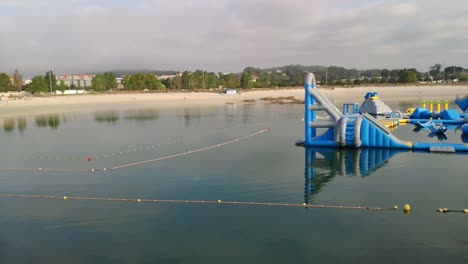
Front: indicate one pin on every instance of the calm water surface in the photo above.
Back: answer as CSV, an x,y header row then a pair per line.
x,y
264,168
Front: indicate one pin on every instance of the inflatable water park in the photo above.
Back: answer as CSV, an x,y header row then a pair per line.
x,y
359,126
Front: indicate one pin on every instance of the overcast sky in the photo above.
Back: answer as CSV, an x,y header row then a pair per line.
x,y
73,36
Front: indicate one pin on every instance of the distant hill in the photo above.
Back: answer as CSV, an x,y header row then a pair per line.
x,y
312,68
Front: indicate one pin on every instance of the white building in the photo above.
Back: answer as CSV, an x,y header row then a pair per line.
x,y
81,80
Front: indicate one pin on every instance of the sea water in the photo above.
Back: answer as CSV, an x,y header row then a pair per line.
x,y
263,168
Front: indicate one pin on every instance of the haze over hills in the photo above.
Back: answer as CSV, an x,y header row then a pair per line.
x,y
311,68
121,73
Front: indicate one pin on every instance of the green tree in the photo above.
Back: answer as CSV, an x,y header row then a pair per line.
x,y
17,80
263,80
104,82
278,79
5,83
187,80
246,80
296,76
394,75
229,80
52,80
98,84
408,76
435,71
173,83
111,80
142,81
62,87
38,85
198,79
453,72
385,75
211,80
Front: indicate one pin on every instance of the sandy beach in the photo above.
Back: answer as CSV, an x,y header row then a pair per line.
x,y
94,102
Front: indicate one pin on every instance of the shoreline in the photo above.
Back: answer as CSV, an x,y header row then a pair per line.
x,y
95,102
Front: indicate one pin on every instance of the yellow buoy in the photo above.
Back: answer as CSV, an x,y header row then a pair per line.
x,y
138,200
395,207
465,211
219,201
406,208
440,210
65,198
304,204
444,210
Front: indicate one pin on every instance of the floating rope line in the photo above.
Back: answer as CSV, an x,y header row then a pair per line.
x,y
144,161
445,210
138,200
190,151
131,149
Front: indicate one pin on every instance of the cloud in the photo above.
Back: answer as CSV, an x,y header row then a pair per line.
x,y
228,35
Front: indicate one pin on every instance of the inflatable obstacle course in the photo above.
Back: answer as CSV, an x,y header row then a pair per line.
x,y
355,130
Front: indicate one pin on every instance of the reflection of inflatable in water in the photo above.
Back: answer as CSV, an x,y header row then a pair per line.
x,y
464,138
440,135
435,126
323,164
464,129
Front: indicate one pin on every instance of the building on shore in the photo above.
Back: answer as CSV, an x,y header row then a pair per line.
x,y
80,80
120,83
168,76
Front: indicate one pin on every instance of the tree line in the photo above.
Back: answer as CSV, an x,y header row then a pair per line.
x,y
293,75
101,82
7,85
251,77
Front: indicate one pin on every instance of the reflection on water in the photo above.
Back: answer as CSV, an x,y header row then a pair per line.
x,y
230,112
52,121
323,164
110,117
441,136
22,124
9,125
464,138
142,114
190,116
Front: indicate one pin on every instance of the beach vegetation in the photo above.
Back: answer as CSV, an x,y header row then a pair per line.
x,y
38,85
51,80
408,76
229,80
104,82
17,80
141,81
246,80
62,86
5,83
